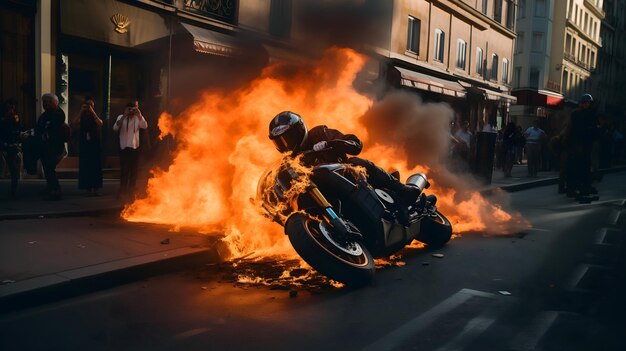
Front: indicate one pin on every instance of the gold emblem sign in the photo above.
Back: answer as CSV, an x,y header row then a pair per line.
x,y
121,23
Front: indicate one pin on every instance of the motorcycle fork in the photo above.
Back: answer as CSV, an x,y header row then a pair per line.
x,y
329,213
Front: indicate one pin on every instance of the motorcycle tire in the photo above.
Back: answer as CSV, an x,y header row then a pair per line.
x,y
435,231
350,264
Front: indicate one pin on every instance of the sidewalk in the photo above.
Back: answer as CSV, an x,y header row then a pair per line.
x,y
51,250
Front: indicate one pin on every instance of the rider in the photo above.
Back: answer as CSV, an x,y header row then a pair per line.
x,y
290,134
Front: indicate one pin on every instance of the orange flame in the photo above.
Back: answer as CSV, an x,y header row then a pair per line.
x,y
223,149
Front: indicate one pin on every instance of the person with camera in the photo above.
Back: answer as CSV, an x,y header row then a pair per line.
x,y
128,125
10,142
90,148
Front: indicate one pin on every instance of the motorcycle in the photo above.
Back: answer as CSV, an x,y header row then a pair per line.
x,y
338,223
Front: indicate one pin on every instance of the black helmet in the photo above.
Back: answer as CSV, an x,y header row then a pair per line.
x,y
586,98
288,131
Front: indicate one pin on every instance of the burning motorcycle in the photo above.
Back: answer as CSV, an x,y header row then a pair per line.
x,y
337,222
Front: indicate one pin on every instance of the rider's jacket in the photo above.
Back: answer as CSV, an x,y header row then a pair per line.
x,y
341,144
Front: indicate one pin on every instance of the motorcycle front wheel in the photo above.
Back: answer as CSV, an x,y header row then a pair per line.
x,y
348,263
435,230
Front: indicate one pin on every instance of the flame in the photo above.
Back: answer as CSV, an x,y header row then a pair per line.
x,y
223,150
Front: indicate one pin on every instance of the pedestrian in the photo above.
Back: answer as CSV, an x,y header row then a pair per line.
x,y
51,134
510,143
10,143
128,125
534,136
90,148
582,133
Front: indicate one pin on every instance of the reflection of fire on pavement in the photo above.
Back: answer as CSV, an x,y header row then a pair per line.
x,y
278,273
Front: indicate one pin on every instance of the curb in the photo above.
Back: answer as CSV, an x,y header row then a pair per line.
x,y
74,282
59,214
542,182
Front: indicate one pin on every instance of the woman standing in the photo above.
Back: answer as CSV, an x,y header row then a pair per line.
x,y
90,149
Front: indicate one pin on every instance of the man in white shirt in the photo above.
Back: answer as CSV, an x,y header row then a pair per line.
x,y
534,138
128,125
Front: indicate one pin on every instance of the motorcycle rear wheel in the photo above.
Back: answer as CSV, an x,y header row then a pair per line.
x,y
435,231
350,264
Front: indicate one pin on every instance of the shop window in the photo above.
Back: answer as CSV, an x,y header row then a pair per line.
x,y
413,35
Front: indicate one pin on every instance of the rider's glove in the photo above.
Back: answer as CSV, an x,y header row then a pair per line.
x,y
320,146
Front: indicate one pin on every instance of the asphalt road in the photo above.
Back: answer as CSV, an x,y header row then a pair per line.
x,y
557,286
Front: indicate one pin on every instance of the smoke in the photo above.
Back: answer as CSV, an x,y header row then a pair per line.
x,y
401,121
422,130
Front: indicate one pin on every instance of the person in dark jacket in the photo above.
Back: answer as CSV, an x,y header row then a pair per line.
x,y
289,133
582,133
10,142
49,134
90,148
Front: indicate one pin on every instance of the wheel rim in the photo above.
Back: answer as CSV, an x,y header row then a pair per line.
x,y
438,217
352,253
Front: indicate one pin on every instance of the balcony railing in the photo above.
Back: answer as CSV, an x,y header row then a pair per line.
x,y
224,10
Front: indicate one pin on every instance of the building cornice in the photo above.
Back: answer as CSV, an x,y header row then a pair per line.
x,y
596,10
477,18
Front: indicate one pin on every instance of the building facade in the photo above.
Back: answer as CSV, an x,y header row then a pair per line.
x,y
556,57
460,52
161,53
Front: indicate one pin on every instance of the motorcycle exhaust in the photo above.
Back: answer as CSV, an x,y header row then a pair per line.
x,y
419,181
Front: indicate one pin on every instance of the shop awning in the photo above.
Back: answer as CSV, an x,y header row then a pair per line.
x,y
214,43
543,98
423,81
498,96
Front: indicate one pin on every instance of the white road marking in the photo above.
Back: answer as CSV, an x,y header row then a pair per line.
x,y
540,230
577,277
600,236
528,339
405,331
614,217
472,329
190,333
561,216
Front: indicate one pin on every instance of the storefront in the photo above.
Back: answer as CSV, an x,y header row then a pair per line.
x,y
17,38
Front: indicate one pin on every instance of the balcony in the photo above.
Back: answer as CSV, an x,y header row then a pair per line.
x,y
224,10
572,58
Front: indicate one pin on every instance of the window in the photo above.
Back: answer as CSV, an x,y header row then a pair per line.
x,y
534,78
479,61
564,87
519,42
440,39
521,13
517,76
484,8
569,9
510,14
461,56
537,44
497,10
540,8
568,43
586,23
505,71
494,66
413,35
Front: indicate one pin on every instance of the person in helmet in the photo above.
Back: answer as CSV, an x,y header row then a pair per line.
x,y
583,131
289,134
